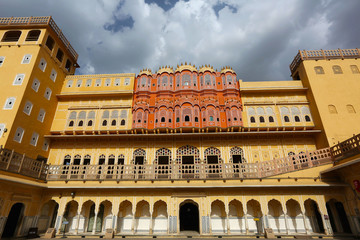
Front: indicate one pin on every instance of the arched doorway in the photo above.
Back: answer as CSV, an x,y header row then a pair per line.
x,y
189,217
13,220
338,219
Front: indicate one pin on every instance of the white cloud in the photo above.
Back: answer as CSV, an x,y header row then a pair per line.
x,y
259,39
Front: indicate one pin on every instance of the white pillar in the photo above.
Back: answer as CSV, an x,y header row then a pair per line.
x,y
77,223
133,223
94,224
151,222
58,223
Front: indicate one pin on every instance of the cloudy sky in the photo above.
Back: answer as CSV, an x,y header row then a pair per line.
x,y
257,38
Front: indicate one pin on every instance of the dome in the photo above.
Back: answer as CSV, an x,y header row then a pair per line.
x,y
145,71
186,67
166,69
227,69
206,68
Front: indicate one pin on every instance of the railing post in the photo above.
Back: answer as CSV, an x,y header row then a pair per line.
x,y
11,155
41,167
21,163
308,157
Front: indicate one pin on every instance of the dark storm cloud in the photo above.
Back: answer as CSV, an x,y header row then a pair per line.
x,y
257,38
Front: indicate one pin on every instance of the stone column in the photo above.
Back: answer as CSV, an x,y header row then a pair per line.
x,y
115,217
283,204
302,207
246,219
60,215
133,222
151,222
77,223
95,219
227,218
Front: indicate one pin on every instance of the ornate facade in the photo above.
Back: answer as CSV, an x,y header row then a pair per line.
x,y
183,151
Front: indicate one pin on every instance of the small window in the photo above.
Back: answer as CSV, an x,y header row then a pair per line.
x,y
42,65
204,119
297,119
307,118
319,70
68,65
41,115
286,119
71,123
139,120
104,123
169,120
107,82
350,108
28,107
127,81
33,35
35,85
11,36
26,59
196,119
69,83
337,69
113,123
252,119
122,123
261,119
90,122
2,127
177,119
19,79
211,118
354,69
45,146
123,113
162,119
271,119
88,82
332,109
19,134
9,103
98,82
47,93
34,138
117,82
50,43
53,75
187,118
2,59
81,123
60,55
156,121
78,83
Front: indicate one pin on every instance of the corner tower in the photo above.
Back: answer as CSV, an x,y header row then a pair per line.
x,y
333,81
35,58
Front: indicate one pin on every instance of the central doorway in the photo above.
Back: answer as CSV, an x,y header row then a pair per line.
x,y
13,220
189,217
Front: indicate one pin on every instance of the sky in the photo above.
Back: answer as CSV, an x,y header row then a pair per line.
x,y
258,39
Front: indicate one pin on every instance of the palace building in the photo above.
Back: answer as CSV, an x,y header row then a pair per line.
x,y
185,150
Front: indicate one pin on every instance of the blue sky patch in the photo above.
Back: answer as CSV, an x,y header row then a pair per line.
x,y
120,24
220,6
164,4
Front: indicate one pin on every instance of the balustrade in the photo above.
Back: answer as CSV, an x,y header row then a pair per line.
x,y
349,147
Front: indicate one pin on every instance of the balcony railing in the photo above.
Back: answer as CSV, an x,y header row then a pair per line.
x,y
323,54
190,171
40,21
348,148
11,161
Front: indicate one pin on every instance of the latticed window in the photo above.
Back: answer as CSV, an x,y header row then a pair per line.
x,y
223,80
143,81
207,79
186,80
212,155
319,70
163,156
178,80
194,79
237,155
115,114
77,159
67,159
121,159
139,116
106,114
187,114
111,159
228,79
354,69
164,80
337,69
87,159
187,155
123,114
139,157
102,159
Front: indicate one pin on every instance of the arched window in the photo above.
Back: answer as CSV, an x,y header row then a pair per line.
x,y
33,35
115,114
332,109
237,155
102,159
71,123
228,79
271,119
187,118
307,118
354,69
196,119
252,119
67,160
81,123
91,115
262,119
104,123
122,123
297,119
11,36
319,70
90,122
164,80
106,114
186,80
337,69
177,119
207,79
211,118
286,119
113,122
162,119
350,108
139,156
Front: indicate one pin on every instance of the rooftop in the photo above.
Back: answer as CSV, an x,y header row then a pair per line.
x,y
39,21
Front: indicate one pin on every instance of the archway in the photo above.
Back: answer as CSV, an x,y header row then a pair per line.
x,y
13,220
189,217
338,218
